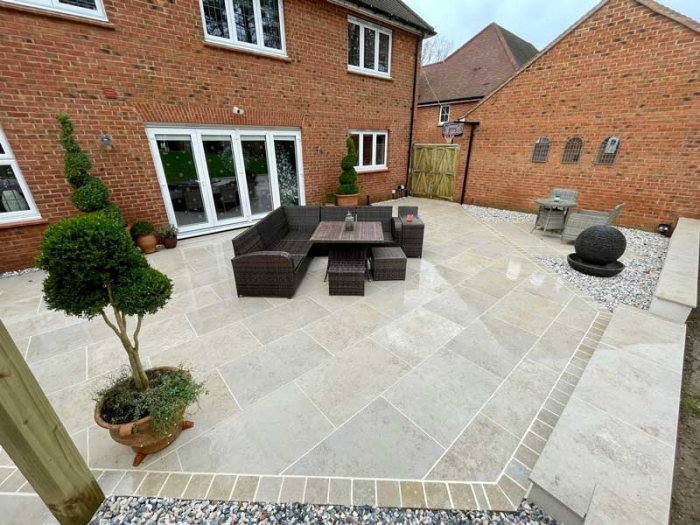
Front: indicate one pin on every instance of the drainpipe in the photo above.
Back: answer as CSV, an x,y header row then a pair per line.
x,y
413,110
473,126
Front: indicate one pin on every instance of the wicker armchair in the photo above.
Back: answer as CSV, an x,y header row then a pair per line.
x,y
577,222
565,194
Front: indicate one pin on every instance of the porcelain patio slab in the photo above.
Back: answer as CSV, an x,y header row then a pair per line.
x,y
345,384
379,442
468,262
527,311
601,449
443,394
437,277
556,346
399,300
518,400
515,267
50,344
647,336
460,305
281,320
264,439
416,335
479,454
182,303
258,373
634,390
578,314
25,509
547,287
342,329
493,282
225,312
493,344
61,370
209,351
194,279
493,250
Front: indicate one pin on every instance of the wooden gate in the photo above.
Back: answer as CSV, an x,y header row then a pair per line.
x,y
433,170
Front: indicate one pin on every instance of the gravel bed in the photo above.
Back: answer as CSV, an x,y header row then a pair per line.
x,y
498,215
18,272
152,511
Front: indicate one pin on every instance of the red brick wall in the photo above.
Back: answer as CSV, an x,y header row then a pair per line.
x,y
626,71
155,58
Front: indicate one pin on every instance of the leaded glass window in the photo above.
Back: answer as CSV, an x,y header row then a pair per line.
x,y
84,8
572,150
540,152
369,47
607,151
249,24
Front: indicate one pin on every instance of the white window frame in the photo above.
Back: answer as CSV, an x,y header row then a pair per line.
x,y
360,150
233,42
377,31
8,159
440,119
56,7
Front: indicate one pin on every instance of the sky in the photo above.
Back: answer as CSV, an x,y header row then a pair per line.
x,y
536,21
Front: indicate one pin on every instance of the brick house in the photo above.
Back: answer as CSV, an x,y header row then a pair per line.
x,y
449,88
611,108
152,85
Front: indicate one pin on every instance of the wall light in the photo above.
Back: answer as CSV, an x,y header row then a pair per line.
x,y
106,141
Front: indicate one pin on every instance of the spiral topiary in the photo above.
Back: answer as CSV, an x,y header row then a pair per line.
x,y
348,178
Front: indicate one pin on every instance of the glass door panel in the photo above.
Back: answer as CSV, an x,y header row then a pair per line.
x,y
287,172
257,173
221,167
180,169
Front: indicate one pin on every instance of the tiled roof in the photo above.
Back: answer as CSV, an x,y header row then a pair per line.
x,y
395,10
476,68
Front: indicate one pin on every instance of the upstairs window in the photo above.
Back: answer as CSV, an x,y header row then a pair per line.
x,y
256,25
369,48
607,151
540,152
85,8
16,202
572,150
371,149
444,114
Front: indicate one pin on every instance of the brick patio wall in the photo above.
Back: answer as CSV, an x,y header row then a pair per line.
x,y
154,56
627,72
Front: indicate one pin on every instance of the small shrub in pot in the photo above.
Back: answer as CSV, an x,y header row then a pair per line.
x,y
143,233
168,235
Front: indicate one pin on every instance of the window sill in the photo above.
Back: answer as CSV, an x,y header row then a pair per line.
x,y
23,223
370,74
255,52
361,171
105,24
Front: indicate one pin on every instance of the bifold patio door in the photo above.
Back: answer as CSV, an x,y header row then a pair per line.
x,y
214,178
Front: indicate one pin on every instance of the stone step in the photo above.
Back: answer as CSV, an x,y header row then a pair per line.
x,y
618,430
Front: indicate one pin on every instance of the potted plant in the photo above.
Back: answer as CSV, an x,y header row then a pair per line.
x,y
329,200
143,233
93,270
348,191
168,236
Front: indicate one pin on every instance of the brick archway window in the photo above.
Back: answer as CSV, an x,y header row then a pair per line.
x,y
572,150
607,151
540,153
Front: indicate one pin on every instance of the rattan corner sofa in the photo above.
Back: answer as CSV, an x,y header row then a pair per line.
x,y
272,257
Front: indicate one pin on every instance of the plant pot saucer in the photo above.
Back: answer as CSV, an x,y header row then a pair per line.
x,y
604,270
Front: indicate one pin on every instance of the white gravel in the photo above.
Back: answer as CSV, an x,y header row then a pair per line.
x,y
18,272
635,286
498,215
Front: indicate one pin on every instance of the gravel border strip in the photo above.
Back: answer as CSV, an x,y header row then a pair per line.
x,y
118,510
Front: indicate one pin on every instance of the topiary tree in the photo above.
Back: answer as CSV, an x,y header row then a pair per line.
x,y
90,193
92,266
348,178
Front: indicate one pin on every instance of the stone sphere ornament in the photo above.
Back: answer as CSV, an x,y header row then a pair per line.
x,y
597,251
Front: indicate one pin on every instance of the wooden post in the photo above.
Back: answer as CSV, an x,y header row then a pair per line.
x,y
38,443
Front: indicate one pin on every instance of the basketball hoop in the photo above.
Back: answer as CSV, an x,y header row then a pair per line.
x,y
450,130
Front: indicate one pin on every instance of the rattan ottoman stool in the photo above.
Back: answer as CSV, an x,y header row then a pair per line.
x,y
346,277
388,264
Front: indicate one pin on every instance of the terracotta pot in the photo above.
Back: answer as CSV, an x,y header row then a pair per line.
x,y
170,242
147,243
139,434
347,200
